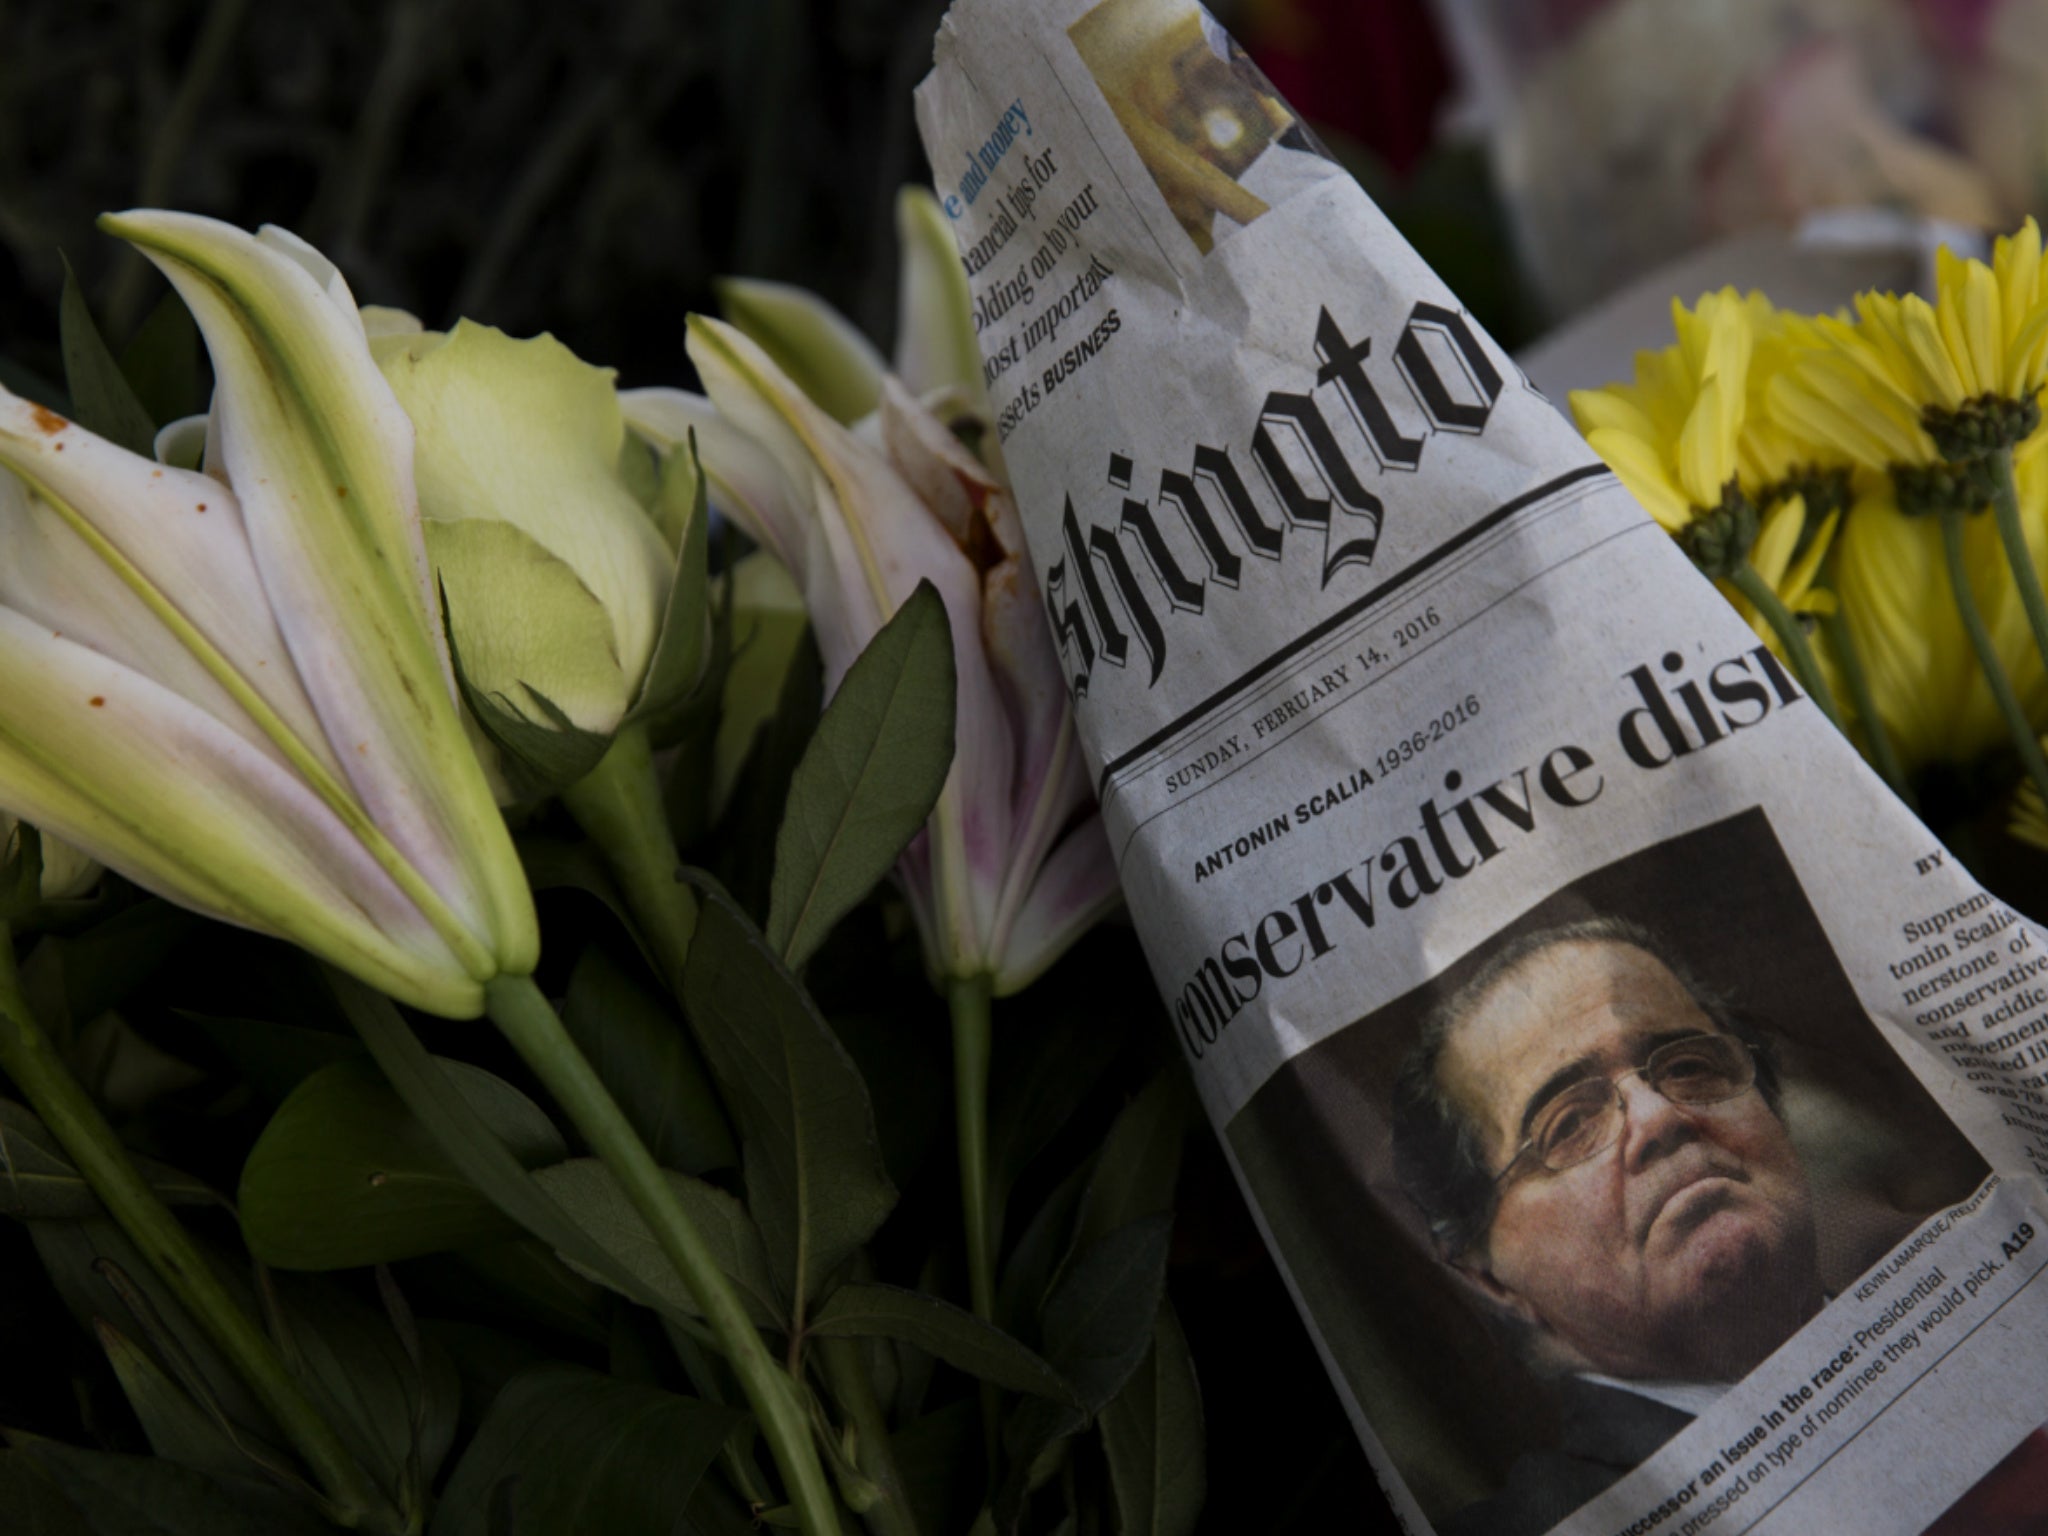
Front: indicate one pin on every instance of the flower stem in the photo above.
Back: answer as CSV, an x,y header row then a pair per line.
x,y
618,805
518,1009
1883,755
968,997
2005,508
2016,725
1791,636
92,1145
847,1372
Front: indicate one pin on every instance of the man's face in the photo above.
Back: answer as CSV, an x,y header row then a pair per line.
x,y
1686,1249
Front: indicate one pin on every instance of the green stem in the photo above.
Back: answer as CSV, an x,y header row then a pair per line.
x,y
1883,755
2016,724
517,1007
968,997
846,1370
92,1145
1791,636
618,805
2005,507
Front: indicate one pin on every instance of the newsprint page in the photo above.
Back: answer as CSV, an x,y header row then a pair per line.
x,y
1647,1113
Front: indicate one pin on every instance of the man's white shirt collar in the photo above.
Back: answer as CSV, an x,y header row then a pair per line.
x,y
1693,1397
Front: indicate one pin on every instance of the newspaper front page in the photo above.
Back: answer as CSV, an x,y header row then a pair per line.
x,y
1647,1112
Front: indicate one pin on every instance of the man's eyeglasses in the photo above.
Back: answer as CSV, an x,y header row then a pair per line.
x,y
1581,1121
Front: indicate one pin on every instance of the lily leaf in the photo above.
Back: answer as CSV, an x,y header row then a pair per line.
x,y
161,363
869,778
101,397
683,643
345,1175
569,1450
39,1183
938,1327
1098,1327
147,1496
1152,1432
813,1164
586,1189
640,1046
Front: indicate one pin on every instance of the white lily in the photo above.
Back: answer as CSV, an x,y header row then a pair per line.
x,y
1014,864
229,686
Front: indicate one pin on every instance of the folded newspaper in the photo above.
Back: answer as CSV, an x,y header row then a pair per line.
x,y
1647,1112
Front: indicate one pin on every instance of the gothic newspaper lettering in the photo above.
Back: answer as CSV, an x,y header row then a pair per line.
x,y
1650,1118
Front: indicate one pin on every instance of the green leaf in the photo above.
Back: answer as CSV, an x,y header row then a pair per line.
x,y
178,1427
768,623
540,755
1042,1076
390,1395
147,1496
465,1137
568,1450
1098,1326
1152,1432
1098,1319
813,1165
39,1183
523,1278
957,1337
30,1504
272,1058
101,1275
586,1188
754,813
101,400
1139,1162
345,1175
868,780
939,1458
161,362
641,1048
71,981
683,642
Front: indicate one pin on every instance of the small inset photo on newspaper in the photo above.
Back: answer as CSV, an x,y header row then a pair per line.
x,y
1549,1208
1220,144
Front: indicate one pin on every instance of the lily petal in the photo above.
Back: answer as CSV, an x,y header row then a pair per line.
x,y
1076,886
203,817
875,542
935,342
321,455
810,341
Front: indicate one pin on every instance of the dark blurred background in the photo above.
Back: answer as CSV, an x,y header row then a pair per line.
x,y
584,169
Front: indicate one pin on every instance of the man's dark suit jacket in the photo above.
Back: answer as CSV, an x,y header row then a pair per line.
x,y
1604,1432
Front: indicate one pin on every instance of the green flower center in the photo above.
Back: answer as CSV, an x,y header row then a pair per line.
x,y
1981,426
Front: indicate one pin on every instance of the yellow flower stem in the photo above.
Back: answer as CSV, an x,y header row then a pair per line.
x,y
1786,627
1883,755
2005,507
31,1060
973,1041
2016,725
529,1022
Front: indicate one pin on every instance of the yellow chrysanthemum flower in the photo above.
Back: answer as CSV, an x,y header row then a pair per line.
x,y
1878,389
1925,681
1690,438
1674,435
